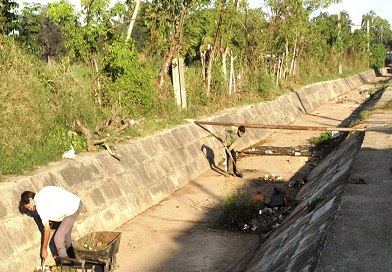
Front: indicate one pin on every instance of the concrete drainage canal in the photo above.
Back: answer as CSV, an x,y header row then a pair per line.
x,y
292,221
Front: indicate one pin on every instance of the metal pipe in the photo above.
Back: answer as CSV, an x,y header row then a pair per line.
x,y
279,126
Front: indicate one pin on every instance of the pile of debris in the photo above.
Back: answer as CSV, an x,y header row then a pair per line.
x,y
307,151
273,213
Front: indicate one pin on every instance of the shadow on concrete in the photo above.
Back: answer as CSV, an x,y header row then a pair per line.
x,y
302,104
324,117
209,153
210,156
356,112
201,248
380,129
377,72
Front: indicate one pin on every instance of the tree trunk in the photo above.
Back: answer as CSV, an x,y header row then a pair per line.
x,y
232,74
203,64
291,72
287,62
133,19
175,41
211,55
223,52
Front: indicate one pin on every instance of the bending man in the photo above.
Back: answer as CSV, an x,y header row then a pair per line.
x,y
54,204
233,136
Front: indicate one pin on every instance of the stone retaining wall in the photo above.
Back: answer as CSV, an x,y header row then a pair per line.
x,y
150,169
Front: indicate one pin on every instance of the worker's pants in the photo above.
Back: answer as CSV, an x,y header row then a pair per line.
x,y
228,157
62,238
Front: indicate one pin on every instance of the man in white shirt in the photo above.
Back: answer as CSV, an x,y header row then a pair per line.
x,y
54,204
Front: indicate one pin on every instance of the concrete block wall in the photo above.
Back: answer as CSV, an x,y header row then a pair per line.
x,y
295,246
149,170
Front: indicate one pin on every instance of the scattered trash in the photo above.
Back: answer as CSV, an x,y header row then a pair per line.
x,y
364,91
297,183
133,122
278,199
357,181
42,269
335,134
302,151
267,220
272,177
258,197
70,154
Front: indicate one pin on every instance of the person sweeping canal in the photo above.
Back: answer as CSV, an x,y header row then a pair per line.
x,y
232,137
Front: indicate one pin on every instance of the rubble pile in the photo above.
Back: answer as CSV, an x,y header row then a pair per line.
x,y
272,214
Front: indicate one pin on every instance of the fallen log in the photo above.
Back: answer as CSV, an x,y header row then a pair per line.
x,y
91,142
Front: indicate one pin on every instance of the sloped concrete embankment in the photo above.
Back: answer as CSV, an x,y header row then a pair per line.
x,y
360,236
150,169
296,245
299,244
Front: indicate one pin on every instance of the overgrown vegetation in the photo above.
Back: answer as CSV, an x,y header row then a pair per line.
x,y
65,65
243,213
238,210
327,141
37,109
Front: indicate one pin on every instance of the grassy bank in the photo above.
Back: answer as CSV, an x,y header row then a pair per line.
x,y
40,104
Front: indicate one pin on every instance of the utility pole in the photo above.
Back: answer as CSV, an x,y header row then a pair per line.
x,y
368,34
339,35
179,82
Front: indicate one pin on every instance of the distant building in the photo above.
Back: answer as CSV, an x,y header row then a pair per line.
x,y
354,27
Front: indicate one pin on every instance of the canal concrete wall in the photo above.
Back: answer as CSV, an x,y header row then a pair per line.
x,y
342,219
296,246
148,170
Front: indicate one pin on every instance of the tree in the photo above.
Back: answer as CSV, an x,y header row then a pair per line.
x,y
65,15
8,16
133,19
198,39
51,40
175,12
221,8
29,27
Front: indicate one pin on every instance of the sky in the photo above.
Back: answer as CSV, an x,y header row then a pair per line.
x,y
355,8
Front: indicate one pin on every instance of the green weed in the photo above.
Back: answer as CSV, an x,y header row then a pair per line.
x,y
238,209
40,103
321,140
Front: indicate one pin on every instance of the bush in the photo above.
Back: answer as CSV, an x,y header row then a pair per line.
x,y
128,86
39,105
377,56
238,209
